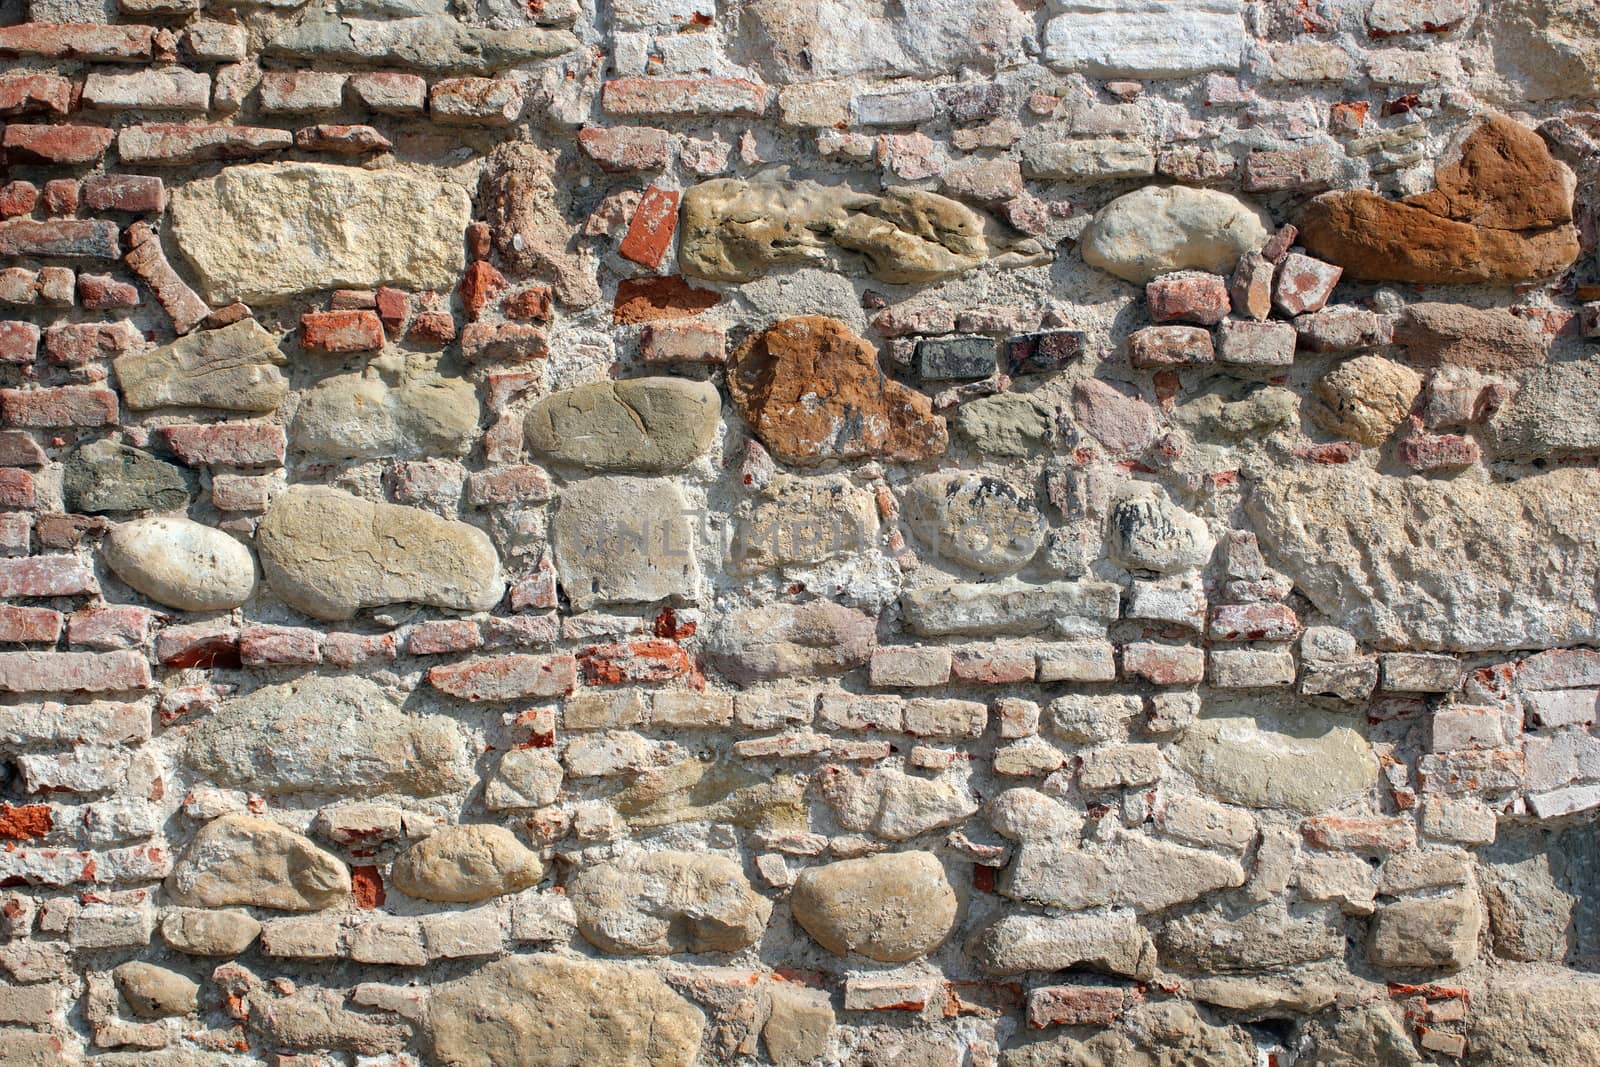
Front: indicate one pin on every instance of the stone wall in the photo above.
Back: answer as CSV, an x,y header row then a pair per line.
x,y
910,534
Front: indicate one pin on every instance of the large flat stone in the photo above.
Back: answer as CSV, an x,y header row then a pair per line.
x,y
351,416
1137,38
429,41
330,554
624,540
234,369
1455,565
657,903
640,424
240,859
267,231
1299,759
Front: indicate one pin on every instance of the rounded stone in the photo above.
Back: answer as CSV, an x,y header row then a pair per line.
x,y
155,992
641,424
548,1010
181,563
1010,424
1366,398
200,932
1159,229
656,903
355,417
893,907
466,864
243,860
976,520
1154,534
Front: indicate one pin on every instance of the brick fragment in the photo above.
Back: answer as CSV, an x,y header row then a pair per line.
x,y
442,636
532,304
232,444
19,342
475,101
390,93
684,96
67,405
1246,343
216,42
1163,664
79,40
1170,346
1313,167
109,626
513,677
73,672
341,140
502,342
1347,834
522,484
1077,1005
60,198
1253,622
17,198
143,194
1303,283
634,662
1188,296
61,145
910,667
654,299
302,90
683,342
79,344
173,146
203,644
60,238
432,328
341,331
1042,352
279,646
480,283
1438,451
651,231
146,259
26,92
620,149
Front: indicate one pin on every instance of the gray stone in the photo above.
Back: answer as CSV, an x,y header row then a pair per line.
x,y
1134,38
181,563
266,231
621,540
549,1010
1458,335
466,864
944,358
798,1027
1308,762
975,520
233,369
891,804
438,44
1135,871
104,476
1166,1034
1436,932
1009,424
330,554
1110,941
779,641
1552,414
1154,534
1361,1035
155,992
353,416
323,734
243,860
1549,1017
801,521
1448,565
1073,607
1263,938
1159,229
1546,49
524,778
658,903
892,908
640,424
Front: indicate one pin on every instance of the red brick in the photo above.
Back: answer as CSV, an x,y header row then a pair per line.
x,y
18,449
19,286
61,145
523,484
1188,296
442,636
174,145
1164,664
231,444
393,307
479,285
1253,622
1331,453
64,238
684,96
634,662
203,644
532,303
25,822
102,292
69,531
17,198
77,344
432,328
1303,284
29,626
146,259
480,240
1433,452
1079,1005
520,631
28,91
993,664
19,342
79,40
109,626
504,342
341,331
537,590
1170,346
61,196
341,140
626,148
507,677
355,650
1360,835
16,488
683,342
44,576
654,299
650,232
73,672
55,285
279,646
1293,168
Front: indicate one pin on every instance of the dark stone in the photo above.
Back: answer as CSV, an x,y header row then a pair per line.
x,y
104,476
1037,353
955,357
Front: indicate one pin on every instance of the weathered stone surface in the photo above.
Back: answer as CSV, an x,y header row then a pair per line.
x,y
892,804
1135,871
624,540
1010,424
200,932
1427,932
524,778
553,1011
1151,533
1259,939
779,641
232,368
735,231
428,41
657,903
640,424
1159,229
1438,334
1546,48
798,1026
526,208
942,610
975,520
330,554
1366,398
104,476
465,864
263,232
1541,1016
1501,176
812,391
353,416
181,563
154,992
240,859
1168,1034
804,521
1369,1034
1551,413
893,907
1451,565
328,735
1309,764
1110,941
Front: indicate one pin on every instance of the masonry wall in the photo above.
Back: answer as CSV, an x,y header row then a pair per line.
x,y
880,534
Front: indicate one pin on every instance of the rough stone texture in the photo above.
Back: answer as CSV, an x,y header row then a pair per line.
x,y
107,477
979,522
181,564
1366,398
817,638
812,391
466,864
1310,764
658,903
330,554
234,368
1453,335
548,1010
269,231
891,908
643,424
624,540
1547,417
352,416
327,735
240,859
